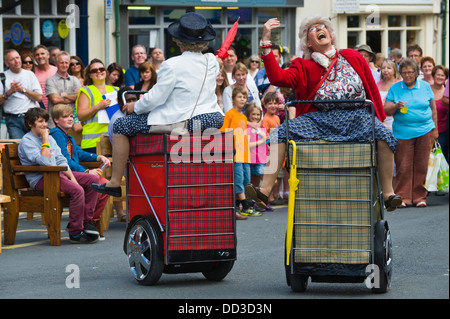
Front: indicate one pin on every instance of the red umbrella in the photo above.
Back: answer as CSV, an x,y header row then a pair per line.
x,y
223,51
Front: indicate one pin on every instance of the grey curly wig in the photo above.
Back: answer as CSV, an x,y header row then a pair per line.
x,y
303,33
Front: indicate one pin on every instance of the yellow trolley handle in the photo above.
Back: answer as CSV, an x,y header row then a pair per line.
x,y
293,183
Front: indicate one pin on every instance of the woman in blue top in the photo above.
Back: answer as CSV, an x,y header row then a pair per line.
x,y
412,104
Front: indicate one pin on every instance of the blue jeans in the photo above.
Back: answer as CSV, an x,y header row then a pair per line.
x,y
16,126
241,177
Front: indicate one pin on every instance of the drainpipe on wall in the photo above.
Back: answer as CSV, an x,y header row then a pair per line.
x,y
116,32
444,30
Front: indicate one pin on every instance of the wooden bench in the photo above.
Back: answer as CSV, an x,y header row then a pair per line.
x,y
3,199
49,203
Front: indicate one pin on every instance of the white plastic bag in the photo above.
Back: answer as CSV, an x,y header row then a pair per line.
x,y
434,164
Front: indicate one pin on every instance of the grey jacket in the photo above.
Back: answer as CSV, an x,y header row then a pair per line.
x,y
30,154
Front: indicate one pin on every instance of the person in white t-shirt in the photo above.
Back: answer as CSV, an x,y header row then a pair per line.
x,y
21,92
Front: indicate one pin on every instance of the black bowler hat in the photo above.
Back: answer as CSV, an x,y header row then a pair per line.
x,y
192,28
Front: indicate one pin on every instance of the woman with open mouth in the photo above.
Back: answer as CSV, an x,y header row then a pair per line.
x,y
325,73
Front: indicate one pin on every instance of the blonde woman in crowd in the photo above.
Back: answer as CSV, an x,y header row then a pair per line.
x,y
221,84
389,75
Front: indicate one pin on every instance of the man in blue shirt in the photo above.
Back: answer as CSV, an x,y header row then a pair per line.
x,y
138,56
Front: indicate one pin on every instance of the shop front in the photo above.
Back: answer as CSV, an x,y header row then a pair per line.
x,y
145,22
27,23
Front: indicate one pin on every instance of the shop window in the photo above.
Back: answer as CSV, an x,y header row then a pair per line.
x,y
141,15
45,7
243,14
412,21
27,7
265,14
373,39
17,34
243,44
214,16
394,21
352,39
412,37
246,40
61,6
7,3
51,33
394,39
353,22
173,15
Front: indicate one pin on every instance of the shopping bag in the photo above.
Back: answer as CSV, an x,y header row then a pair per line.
x,y
442,176
433,169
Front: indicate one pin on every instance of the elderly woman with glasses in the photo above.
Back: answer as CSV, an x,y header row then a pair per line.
x,y
326,73
412,104
90,101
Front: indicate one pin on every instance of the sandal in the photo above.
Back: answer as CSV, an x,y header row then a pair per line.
x,y
421,204
122,218
393,202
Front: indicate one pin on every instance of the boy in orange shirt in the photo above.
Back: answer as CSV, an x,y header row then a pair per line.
x,y
271,119
236,121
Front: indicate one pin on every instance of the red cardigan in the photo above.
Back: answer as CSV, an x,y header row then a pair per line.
x,y
303,76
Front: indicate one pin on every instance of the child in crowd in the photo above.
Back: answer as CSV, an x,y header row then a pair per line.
x,y
62,115
271,120
37,147
271,104
257,145
236,121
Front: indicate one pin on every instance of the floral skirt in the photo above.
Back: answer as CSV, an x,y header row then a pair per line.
x,y
335,125
133,124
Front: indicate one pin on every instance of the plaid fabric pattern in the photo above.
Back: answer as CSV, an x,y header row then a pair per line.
x,y
332,207
199,214
198,147
200,173
141,144
205,229
200,197
326,155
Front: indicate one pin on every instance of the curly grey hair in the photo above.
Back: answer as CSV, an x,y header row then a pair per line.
x,y
409,63
192,47
303,33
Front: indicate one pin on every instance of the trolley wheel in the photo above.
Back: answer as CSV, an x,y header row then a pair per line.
x,y
144,257
383,256
299,283
219,270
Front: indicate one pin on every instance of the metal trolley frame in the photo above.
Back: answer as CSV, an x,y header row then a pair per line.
x,y
325,239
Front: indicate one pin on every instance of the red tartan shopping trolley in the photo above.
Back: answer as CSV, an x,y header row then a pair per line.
x,y
180,193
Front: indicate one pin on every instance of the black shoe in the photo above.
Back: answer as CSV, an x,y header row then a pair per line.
x,y
393,202
254,193
90,229
112,191
83,238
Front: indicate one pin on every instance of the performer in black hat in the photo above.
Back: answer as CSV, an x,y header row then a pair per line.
x,y
185,91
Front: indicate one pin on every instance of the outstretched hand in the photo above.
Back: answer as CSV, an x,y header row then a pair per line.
x,y
268,27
